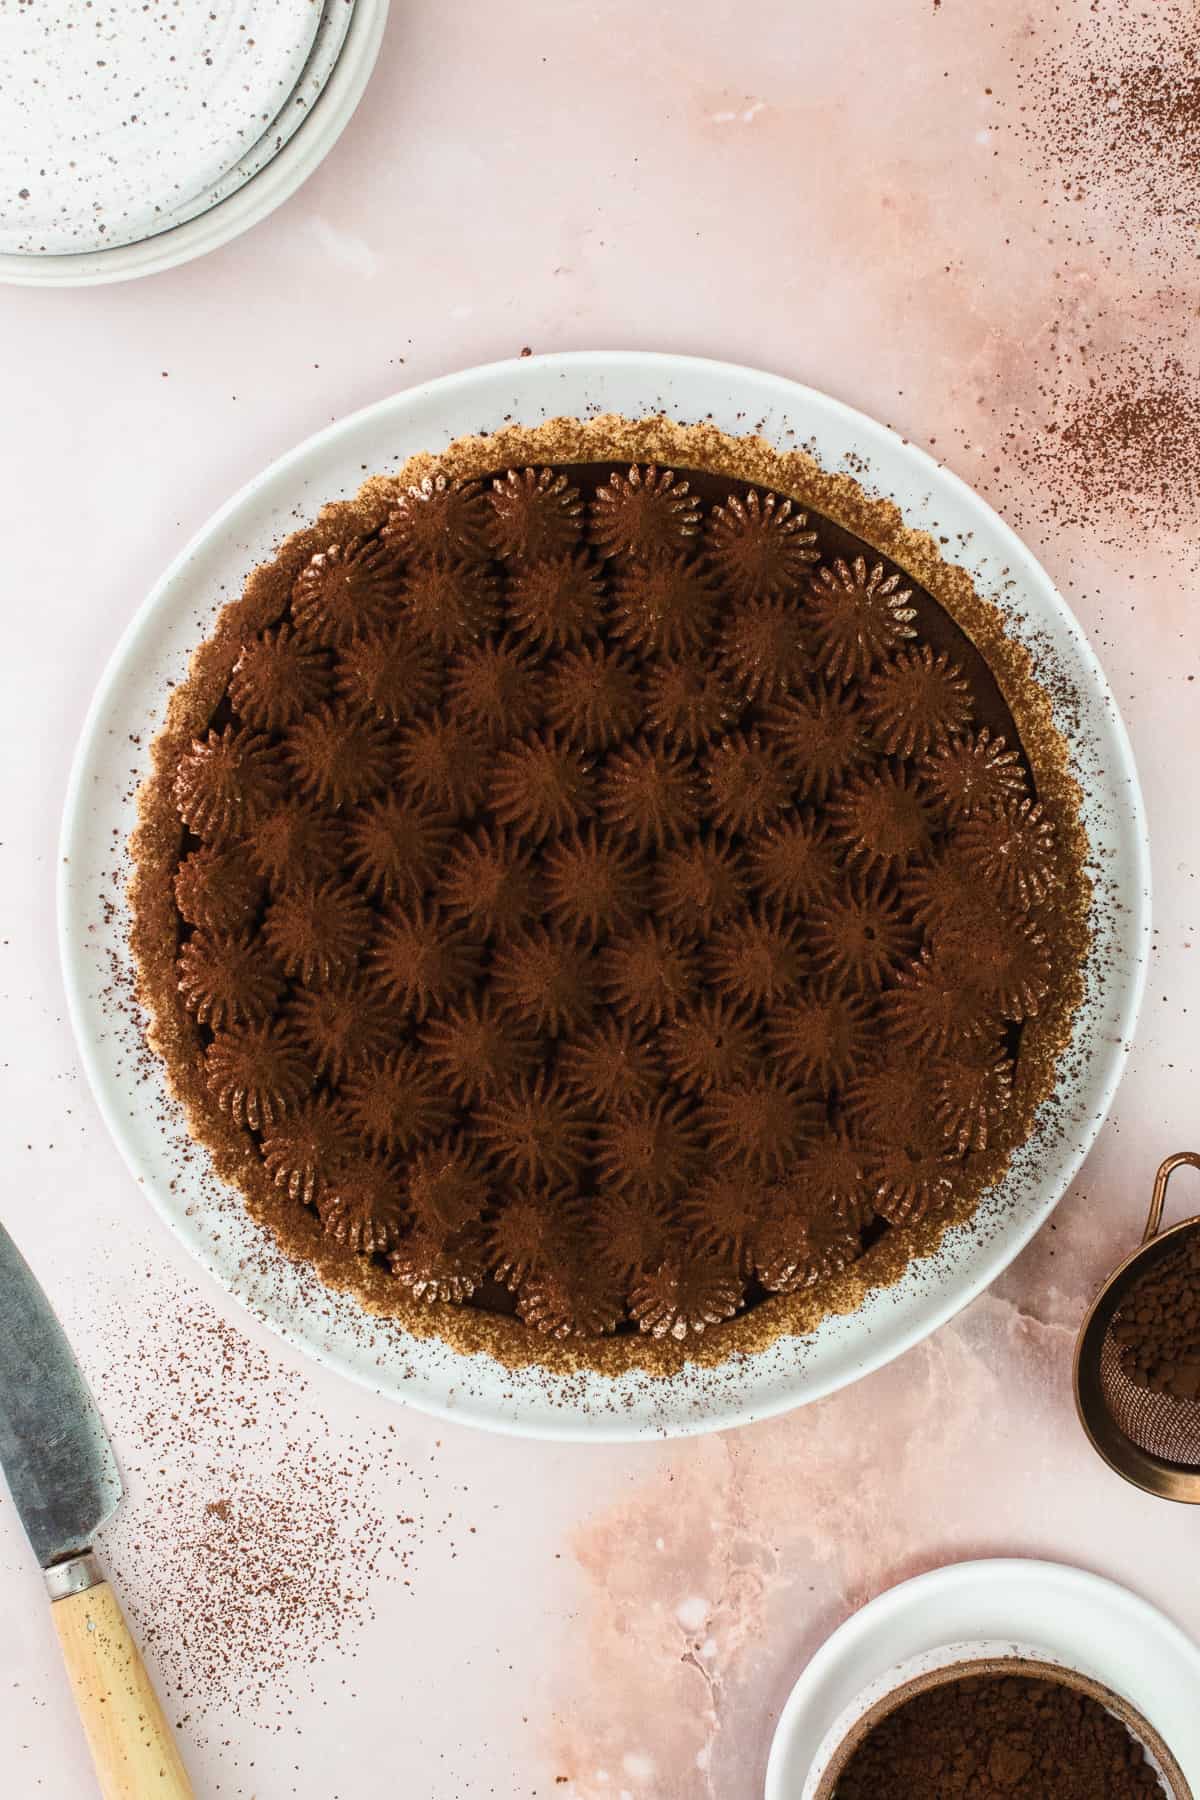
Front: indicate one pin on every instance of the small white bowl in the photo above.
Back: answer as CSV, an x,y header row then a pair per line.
x,y
1001,1608
955,1662
274,184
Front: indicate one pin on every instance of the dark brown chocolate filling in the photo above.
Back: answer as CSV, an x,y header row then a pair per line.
x,y
416,957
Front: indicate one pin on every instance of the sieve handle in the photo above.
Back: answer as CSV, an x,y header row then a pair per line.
x,y
1165,1172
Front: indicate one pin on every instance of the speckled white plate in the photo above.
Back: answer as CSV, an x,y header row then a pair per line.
x,y
1006,1606
332,27
114,114
113,753
324,120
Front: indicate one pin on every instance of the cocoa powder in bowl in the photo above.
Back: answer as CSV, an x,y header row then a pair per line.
x,y
1157,1329
1005,1733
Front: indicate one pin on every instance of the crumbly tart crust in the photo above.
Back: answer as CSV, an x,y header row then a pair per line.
x,y
157,841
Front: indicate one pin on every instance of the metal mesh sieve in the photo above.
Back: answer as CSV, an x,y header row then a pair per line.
x,y
1153,1440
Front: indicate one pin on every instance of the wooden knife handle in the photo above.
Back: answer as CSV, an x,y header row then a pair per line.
x,y
132,1745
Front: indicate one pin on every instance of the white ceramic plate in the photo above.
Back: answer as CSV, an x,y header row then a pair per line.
x,y
326,118
114,114
1006,1606
327,46
100,814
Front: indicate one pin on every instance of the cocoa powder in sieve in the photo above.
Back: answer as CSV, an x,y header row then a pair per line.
x,y
1010,1735
1158,1327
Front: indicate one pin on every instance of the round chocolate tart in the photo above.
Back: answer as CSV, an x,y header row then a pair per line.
x,y
610,894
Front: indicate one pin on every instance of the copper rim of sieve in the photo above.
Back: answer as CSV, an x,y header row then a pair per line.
x,y
1139,1727
1148,1438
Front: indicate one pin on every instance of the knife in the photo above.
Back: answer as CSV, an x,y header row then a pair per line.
x,y
64,1482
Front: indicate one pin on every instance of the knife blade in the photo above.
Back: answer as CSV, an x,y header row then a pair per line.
x,y
54,1450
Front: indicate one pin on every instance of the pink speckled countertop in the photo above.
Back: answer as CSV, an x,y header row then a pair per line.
x,y
860,202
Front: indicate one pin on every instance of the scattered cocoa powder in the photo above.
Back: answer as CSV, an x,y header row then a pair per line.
x,y
1112,106
254,1535
1105,112
1008,1735
1158,1326
1115,448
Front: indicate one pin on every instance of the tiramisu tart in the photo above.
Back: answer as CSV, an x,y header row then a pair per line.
x,y
610,894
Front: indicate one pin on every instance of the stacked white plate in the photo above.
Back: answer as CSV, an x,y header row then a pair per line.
x,y
134,137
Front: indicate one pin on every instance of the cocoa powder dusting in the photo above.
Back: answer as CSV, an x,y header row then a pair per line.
x,y
999,1735
1117,447
255,1537
1113,106
1105,112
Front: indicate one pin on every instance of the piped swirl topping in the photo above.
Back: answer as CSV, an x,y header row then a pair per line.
x,y
761,545
218,890
392,674
609,891
860,617
277,679
644,512
346,590
227,782
438,517
226,980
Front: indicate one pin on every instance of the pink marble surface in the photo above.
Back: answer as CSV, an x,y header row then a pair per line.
x,y
845,194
